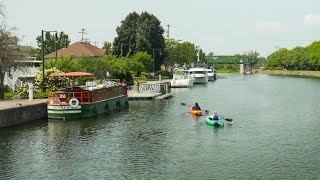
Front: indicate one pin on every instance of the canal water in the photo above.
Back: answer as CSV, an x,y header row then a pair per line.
x,y
275,135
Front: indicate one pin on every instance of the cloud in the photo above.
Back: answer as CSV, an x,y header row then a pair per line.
x,y
271,27
311,20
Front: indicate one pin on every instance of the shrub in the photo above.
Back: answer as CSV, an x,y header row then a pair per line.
x,y
163,73
24,91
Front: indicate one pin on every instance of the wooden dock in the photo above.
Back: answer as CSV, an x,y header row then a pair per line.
x,y
148,91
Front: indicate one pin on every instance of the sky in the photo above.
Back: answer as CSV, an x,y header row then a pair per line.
x,y
224,27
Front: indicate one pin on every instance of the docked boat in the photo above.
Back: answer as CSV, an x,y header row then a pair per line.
x,y
85,101
200,75
211,74
181,79
217,123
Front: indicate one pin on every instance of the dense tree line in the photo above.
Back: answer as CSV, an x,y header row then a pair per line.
x,y
299,58
118,67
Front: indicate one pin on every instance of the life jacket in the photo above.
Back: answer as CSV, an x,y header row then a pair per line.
x,y
215,117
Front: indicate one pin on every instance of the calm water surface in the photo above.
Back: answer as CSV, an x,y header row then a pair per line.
x,y
275,135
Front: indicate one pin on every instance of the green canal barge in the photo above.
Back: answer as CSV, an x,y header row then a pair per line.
x,y
86,101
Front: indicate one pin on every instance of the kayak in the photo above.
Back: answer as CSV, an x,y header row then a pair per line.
x,y
195,112
214,123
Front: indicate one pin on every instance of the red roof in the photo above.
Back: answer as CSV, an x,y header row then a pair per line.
x,y
78,49
71,74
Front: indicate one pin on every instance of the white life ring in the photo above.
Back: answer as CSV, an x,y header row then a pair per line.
x,y
74,102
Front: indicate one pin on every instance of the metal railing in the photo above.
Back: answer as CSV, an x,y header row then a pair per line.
x,y
64,97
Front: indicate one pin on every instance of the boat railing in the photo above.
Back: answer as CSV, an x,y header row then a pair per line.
x,y
64,97
115,80
137,80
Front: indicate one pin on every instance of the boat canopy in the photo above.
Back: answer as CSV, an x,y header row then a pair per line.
x,y
71,74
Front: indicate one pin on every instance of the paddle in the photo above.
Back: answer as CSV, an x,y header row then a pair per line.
x,y
226,119
207,111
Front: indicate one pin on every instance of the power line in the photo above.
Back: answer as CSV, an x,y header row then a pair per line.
x,y
82,32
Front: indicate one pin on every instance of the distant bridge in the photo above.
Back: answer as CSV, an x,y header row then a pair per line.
x,y
237,59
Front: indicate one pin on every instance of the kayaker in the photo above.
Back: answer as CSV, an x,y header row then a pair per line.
x,y
196,107
214,116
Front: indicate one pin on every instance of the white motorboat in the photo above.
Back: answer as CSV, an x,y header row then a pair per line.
x,y
181,79
200,75
211,74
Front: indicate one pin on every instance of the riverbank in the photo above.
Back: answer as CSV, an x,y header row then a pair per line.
x,y
17,111
290,73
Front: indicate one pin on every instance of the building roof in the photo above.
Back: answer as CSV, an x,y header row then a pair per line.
x,y
78,49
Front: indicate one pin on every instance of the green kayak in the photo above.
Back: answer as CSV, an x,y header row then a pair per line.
x,y
214,123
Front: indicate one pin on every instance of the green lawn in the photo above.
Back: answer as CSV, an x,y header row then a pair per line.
x,y
9,95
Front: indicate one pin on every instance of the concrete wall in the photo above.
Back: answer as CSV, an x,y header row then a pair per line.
x,y
22,114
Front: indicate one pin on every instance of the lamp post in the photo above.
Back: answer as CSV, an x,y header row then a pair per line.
x,y
42,57
154,59
125,44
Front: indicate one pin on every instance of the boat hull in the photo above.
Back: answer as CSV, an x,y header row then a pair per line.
x,y
195,112
214,123
200,80
211,77
181,83
87,110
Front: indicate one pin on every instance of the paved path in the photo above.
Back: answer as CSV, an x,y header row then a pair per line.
x,y
19,102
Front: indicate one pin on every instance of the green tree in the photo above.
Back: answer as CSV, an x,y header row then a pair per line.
x,y
108,47
145,59
51,43
8,49
179,52
315,55
143,32
126,34
64,64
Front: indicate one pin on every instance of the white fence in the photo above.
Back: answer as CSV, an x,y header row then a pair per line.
x,y
146,88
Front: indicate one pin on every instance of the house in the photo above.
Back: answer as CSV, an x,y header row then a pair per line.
x,y
77,50
24,67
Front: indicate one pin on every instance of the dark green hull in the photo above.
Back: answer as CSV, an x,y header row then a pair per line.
x,y
87,110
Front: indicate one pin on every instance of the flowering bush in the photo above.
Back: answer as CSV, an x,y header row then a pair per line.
x,y
51,84
24,91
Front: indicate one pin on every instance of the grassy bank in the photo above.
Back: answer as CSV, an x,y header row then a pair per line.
x,y
9,95
290,73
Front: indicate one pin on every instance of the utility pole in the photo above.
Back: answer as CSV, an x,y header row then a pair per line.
x,y
168,31
277,47
82,32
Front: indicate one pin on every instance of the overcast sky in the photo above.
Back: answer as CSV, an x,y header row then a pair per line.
x,y
225,27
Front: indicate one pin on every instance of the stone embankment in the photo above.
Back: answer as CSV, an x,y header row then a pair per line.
x,y
290,73
13,112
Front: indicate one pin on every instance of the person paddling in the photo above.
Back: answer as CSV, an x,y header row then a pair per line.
x,y
214,116
196,107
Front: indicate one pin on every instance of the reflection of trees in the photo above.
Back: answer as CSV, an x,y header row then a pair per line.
x,y
143,142
67,136
20,146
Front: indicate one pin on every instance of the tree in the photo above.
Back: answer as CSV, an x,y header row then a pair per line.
x,y
179,52
108,47
52,44
140,33
126,34
8,49
146,62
